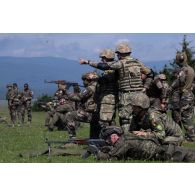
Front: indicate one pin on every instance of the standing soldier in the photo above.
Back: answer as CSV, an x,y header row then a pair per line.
x,y
16,105
130,81
182,96
27,99
108,91
9,98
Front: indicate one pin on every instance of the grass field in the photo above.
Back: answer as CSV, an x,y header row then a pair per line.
x,y
27,139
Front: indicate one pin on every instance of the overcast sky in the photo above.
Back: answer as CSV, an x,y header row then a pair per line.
x,y
146,47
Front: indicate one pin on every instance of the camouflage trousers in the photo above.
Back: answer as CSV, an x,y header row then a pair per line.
x,y
86,117
16,114
125,110
143,149
182,111
107,111
26,108
48,117
57,120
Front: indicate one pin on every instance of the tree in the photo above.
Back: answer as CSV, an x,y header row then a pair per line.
x,y
170,69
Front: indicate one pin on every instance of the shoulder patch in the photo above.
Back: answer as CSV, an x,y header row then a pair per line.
x,y
159,127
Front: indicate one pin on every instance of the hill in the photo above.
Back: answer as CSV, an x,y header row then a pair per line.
x,y
34,70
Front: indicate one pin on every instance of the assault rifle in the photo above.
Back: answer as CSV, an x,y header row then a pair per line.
x,y
64,82
90,142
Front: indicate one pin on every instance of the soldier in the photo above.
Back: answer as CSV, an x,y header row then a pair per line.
x,y
158,91
130,81
26,103
130,146
9,98
153,122
182,96
59,114
61,91
16,105
107,90
88,113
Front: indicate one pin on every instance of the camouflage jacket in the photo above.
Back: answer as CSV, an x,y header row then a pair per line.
x,y
28,95
131,147
184,80
160,126
86,97
127,74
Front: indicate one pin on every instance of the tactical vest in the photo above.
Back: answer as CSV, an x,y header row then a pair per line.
x,y
189,77
90,104
108,83
28,94
130,76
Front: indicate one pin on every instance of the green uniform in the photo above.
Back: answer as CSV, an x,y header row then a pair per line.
x,y
160,126
26,105
136,148
87,113
182,100
107,101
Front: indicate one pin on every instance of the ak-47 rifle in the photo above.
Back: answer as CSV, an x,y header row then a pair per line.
x,y
64,82
90,142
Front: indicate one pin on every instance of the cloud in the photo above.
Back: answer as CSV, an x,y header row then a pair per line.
x,y
75,45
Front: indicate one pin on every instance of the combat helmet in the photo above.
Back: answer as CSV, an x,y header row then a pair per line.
x,y
9,86
123,48
108,130
160,76
107,53
141,100
90,76
26,85
181,58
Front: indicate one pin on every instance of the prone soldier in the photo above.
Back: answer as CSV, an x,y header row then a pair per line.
x,y
129,146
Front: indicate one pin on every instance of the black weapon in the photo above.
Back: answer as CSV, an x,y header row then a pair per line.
x,y
96,142
64,82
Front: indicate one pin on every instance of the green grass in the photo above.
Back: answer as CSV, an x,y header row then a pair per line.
x,y
27,139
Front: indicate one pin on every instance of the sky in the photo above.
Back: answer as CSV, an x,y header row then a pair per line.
x,y
145,46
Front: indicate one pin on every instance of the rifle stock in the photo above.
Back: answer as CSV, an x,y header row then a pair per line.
x,y
64,82
97,142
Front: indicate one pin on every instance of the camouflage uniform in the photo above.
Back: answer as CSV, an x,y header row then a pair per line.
x,y
107,91
155,122
158,91
9,98
62,93
134,147
26,103
59,114
88,112
182,96
16,105
130,81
